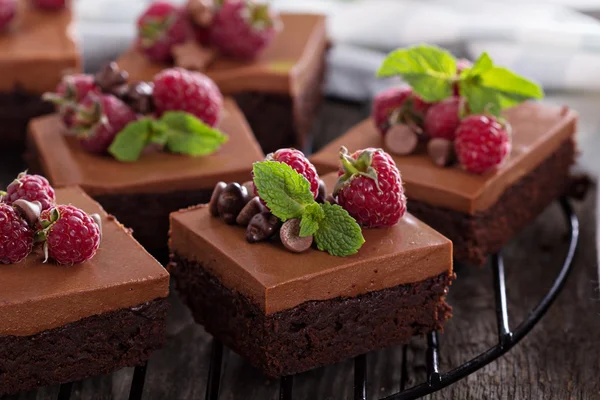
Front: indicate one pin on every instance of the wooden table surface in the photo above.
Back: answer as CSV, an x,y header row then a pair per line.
x,y
559,359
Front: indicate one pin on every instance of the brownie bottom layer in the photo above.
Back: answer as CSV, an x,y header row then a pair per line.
x,y
16,109
314,333
147,214
279,121
484,233
92,346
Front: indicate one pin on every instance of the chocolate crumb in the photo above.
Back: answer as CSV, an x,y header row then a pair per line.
x,y
579,186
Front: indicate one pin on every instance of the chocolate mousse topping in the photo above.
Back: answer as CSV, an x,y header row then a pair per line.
x,y
283,68
65,163
35,296
276,279
41,49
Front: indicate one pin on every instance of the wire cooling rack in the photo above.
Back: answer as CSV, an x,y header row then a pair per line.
x,y
436,379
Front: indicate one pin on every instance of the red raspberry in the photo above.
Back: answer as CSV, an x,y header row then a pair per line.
x,y
70,235
443,118
70,92
16,237
100,117
31,188
8,12
370,188
482,143
244,28
50,4
401,103
298,161
461,65
161,27
178,89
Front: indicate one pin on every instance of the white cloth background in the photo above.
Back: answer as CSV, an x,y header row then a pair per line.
x,y
556,45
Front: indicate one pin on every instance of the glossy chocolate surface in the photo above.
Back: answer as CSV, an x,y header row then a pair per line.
x,y
276,279
65,163
39,50
537,131
35,297
283,68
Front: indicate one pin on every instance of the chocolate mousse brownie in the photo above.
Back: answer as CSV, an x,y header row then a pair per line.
x,y
141,194
481,213
287,312
279,92
34,55
63,323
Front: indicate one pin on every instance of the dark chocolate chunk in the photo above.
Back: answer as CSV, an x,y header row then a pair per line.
x,y
251,208
111,78
139,97
214,199
262,226
322,194
231,201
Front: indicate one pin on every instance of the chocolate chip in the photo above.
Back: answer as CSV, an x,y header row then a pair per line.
x,y
262,226
98,220
290,236
214,199
231,201
322,193
401,140
111,77
139,96
251,208
441,151
249,185
30,210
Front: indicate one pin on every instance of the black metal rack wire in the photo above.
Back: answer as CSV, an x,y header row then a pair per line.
x,y
436,380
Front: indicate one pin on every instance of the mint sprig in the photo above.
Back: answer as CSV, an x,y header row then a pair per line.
x,y
178,131
486,87
287,194
428,69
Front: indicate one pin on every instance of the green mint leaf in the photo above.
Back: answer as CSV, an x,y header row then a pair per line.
x,y
489,88
313,215
428,69
483,64
130,142
285,191
338,232
159,134
187,134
